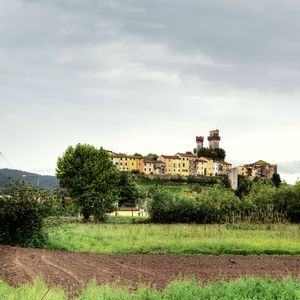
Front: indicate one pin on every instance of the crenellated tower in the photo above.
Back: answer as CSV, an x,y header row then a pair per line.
x,y
214,139
199,141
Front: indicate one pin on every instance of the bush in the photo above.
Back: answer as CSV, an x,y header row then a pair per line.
x,y
268,203
166,208
22,211
216,204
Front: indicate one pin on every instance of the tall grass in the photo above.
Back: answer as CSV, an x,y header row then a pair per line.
x,y
241,289
177,239
31,291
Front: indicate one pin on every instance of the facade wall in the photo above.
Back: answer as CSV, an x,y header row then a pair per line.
x,y
201,167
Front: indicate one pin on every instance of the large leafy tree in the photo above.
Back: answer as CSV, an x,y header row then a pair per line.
x,y
216,154
90,178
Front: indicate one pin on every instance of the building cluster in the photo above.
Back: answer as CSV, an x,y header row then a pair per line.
x,y
258,169
189,164
180,164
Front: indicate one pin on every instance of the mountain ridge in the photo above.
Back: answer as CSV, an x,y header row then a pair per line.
x,y
47,182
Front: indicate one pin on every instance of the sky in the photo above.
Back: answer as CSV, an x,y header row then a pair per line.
x,y
148,76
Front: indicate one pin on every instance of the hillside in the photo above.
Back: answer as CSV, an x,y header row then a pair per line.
x,y
43,181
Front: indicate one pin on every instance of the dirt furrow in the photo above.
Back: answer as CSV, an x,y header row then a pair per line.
x,y
74,270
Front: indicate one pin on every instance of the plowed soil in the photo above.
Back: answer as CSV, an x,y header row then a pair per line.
x,y
74,270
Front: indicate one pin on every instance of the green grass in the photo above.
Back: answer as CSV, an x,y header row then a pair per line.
x,y
176,239
176,188
241,289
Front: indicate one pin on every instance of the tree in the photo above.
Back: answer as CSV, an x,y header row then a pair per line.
x,y
137,154
22,212
243,187
128,192
151,156
215,154
90,178
276,179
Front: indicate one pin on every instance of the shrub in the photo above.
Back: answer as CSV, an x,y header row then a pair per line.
x,y
22,211
270,204
165,207
215,204
218,205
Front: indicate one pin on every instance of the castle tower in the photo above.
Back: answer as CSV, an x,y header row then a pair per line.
x,y
214,139
199,141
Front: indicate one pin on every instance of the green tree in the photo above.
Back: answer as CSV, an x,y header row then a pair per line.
x,y
128,191
90,178
22,212
243,186
215,154
151,156
137,154
276,179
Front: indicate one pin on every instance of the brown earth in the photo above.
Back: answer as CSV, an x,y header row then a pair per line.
x,y
74,270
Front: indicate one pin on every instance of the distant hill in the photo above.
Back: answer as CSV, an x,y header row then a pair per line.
x,y
43,181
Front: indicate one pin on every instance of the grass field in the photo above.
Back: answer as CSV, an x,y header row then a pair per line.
x,y
251,288
176,239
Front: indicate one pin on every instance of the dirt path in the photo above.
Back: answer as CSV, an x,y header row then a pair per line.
x,y
74,270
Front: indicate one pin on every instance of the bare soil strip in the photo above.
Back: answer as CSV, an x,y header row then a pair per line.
x,y
74,270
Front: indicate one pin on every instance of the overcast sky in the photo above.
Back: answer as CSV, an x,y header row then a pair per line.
x,y
148,76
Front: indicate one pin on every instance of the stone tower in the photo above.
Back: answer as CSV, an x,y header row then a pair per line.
x,y
214,139
199,141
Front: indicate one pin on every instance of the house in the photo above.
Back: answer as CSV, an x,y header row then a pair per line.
x,y
154,167
169,161
208,167
188,163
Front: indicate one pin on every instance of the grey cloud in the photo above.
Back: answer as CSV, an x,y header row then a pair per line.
x,y
289,167
168,66
252,45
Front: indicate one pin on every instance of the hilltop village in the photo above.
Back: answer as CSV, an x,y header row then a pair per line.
x,y
191,163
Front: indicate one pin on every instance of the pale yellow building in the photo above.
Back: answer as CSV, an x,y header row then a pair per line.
x,y
201,167
169,161
136,163
208,170
188,163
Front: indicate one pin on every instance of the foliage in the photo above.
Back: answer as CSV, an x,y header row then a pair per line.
x,y
215,154
151,156
243,289
244,186
218,205
276,179
137,154
270,204
90,178
168,208
36,290
213,204
128,191
22,212
243,238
